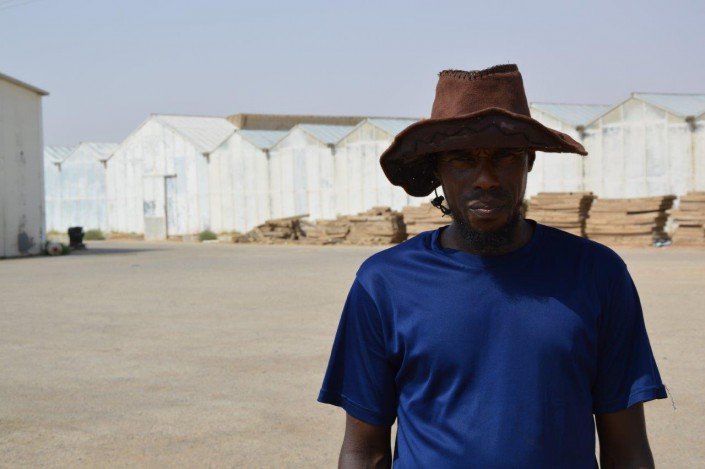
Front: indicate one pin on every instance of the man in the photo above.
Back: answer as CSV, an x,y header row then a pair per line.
x,y
492,341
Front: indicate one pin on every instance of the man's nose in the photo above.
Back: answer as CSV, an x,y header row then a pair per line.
x,y
486,176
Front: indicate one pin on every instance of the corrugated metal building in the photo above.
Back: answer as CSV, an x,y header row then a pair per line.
x,y
53,157
239,180
360,183
561,172
650,144
302,171
22,229
157,178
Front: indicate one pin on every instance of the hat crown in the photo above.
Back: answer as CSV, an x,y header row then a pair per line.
x,y
460,92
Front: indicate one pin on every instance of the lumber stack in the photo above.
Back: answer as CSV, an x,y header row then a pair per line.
x,y
326,231
563,210
636,222
278,230
690,220
425,217
378,225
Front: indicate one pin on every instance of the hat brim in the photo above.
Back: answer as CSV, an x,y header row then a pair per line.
x,y
406,162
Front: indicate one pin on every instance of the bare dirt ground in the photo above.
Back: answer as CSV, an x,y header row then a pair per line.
x,y
169,354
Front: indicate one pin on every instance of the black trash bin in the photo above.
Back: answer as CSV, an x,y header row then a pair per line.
x,y
76,237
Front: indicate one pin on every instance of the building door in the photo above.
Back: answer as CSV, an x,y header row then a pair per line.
x,y
156,205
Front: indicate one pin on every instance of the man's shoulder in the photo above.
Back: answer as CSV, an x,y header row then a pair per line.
x,y
570,247
395,257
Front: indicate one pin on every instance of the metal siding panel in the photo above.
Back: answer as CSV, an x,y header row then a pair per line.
x,y
22,225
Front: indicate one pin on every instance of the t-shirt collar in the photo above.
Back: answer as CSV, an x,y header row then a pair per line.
x,y
474,260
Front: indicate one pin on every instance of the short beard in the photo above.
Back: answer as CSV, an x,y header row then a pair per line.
x,y
489,242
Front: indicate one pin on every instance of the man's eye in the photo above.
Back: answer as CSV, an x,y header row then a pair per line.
x,y
465,160
505,158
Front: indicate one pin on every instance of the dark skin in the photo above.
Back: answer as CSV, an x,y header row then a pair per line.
x,y
483,187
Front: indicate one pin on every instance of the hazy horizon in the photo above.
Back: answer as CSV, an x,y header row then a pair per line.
x,y
107,66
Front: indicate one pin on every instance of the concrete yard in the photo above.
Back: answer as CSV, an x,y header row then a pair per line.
x,y
211,355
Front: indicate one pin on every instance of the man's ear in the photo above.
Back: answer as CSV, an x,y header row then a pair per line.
x,y
532,158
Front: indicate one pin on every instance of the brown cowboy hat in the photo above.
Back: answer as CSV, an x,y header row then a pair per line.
x,y
476,109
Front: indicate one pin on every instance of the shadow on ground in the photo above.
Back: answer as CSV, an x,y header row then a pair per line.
x,y
91,250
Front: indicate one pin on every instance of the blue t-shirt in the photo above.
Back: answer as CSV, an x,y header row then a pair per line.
x,y
492,361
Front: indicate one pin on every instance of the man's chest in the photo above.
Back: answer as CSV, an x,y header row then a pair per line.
x,y
488,331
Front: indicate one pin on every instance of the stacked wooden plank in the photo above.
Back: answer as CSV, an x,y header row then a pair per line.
x,y
564,210
690,220
425,217
378,225
636,222
326,231
278,230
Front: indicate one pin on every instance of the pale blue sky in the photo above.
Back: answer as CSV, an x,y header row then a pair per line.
x,y
108,64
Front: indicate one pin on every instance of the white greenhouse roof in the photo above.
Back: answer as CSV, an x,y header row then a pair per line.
x,y
682,105
329,134
206,133
392,126
58,153
101,151
573,114
263,139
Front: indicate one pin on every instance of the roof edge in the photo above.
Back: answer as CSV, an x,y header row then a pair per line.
x,y
577,127
568,104
668,93
24,85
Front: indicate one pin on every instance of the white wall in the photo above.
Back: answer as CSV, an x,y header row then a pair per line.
x,y
698,156
124,180
302,177
52,195
21,171
83,195
638,150
238,175
556,172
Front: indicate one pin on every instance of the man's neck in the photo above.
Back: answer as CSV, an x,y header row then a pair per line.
x,y
452,238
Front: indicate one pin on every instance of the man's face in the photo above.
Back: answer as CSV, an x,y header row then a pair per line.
x,y
484,188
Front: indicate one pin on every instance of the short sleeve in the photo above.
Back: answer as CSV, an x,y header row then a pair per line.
x,y
626,369
359,377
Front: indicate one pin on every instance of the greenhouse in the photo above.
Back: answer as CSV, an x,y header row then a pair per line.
x,y
648,145
157,179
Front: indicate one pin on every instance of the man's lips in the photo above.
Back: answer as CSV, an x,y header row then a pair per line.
x,y
485,209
